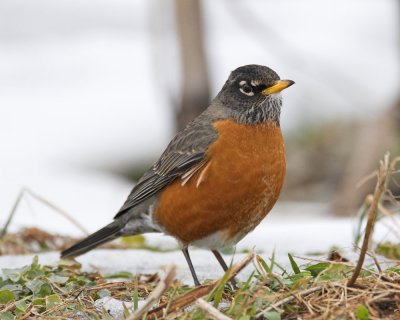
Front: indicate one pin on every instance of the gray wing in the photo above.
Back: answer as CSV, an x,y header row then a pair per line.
x,y
185,151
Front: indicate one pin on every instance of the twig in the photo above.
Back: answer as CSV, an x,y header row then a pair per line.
x,y
379,188
348,264
8,307
282,302
366,178
191,296
181,301
213,312
375,259
11,215
380,296
233,271
163,285
343,263
394,162
65,214
44,201
27,313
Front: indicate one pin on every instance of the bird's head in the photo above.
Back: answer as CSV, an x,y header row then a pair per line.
x,y
252,94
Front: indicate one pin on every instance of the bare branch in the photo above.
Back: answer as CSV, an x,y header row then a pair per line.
x,y
155,295
379,189
46,202
213,312
282,302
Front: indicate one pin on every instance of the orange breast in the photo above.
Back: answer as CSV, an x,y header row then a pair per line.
x,y
233,191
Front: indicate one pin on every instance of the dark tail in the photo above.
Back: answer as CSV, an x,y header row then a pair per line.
x,y
106,234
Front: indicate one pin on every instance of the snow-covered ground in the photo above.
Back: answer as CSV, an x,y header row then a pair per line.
x,y
302,229
81,88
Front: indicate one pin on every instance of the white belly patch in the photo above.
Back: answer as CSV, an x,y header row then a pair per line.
x,y
214,241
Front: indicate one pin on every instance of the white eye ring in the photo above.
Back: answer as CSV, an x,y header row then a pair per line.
x,y
245,85
250,94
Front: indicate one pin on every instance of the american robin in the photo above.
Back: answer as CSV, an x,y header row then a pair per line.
x,y
218,177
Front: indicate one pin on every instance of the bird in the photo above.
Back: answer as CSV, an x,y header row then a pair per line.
x,y
218,177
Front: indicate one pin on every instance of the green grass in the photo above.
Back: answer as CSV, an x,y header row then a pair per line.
x,y
63,291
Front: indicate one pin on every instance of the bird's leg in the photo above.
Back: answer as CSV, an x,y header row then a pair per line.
x,y
189,262
224,266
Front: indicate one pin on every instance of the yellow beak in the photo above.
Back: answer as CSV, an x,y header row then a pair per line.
x,y
278,86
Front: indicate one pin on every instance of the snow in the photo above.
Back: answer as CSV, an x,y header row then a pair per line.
x,y
310,232
114,307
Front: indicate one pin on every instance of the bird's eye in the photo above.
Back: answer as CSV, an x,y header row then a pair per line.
x,y
247,90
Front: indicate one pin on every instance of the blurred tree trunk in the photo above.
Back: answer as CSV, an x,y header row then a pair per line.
x,y
374,139
195,95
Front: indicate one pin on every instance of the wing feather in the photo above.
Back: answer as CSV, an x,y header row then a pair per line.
x,y
187,150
